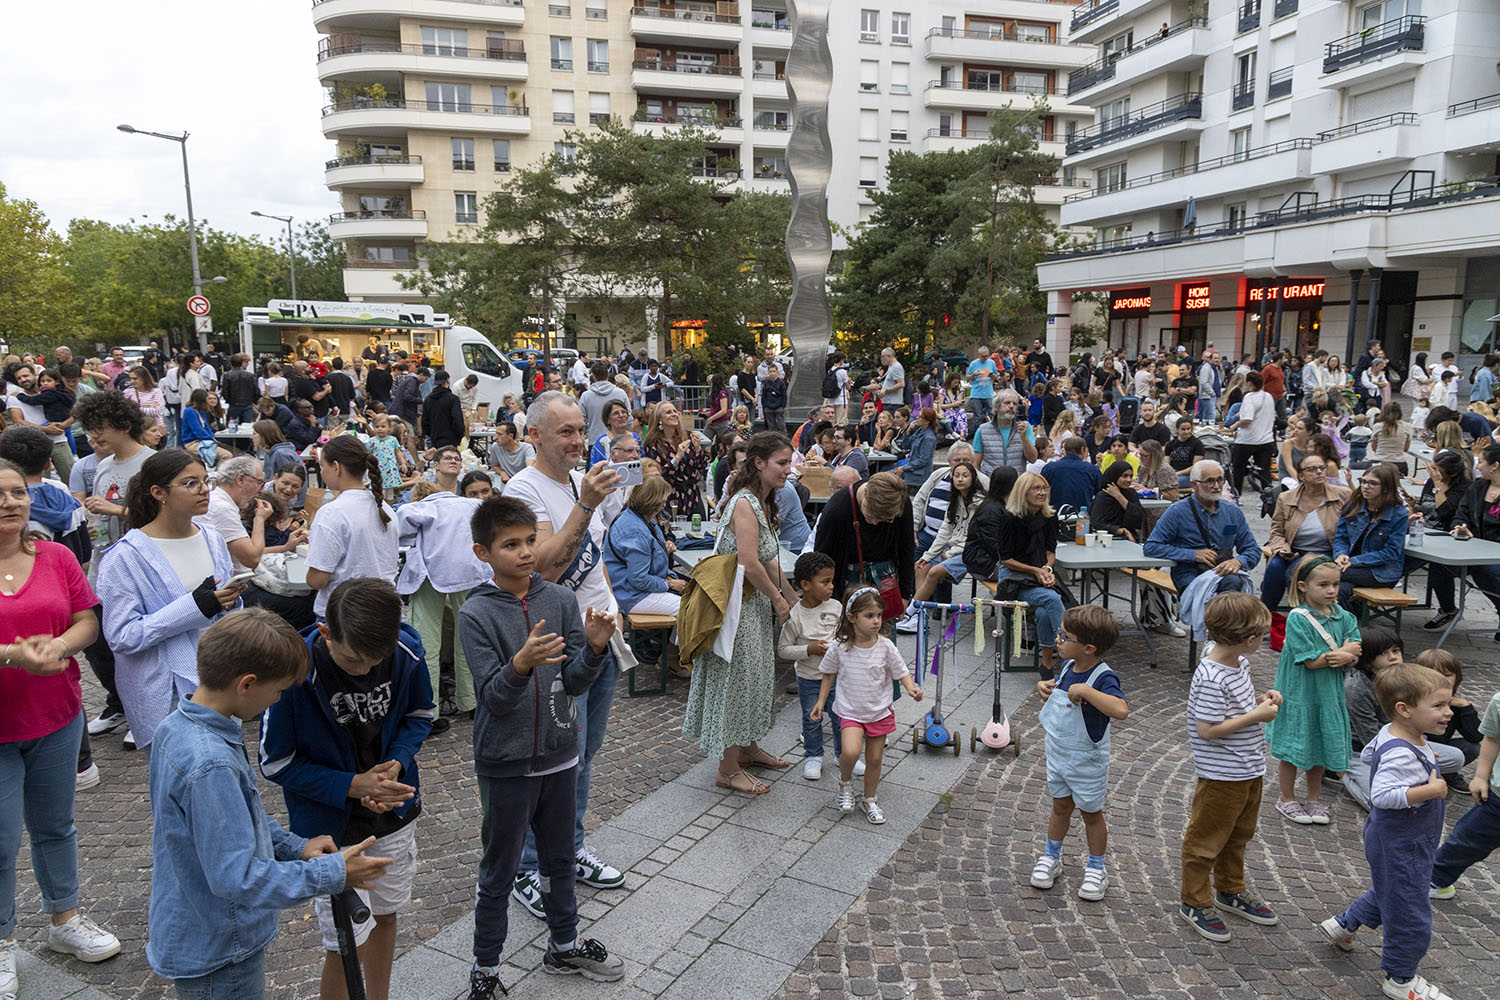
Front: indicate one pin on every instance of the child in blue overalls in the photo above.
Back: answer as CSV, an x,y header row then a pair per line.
x,y
1077,709
1401,836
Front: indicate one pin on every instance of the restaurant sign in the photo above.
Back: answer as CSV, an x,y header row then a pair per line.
x,y
1130,302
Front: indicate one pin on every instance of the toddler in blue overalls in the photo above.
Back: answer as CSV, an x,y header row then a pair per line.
x,y
1401,836
1076,712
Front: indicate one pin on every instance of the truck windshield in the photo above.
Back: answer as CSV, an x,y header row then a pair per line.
x,y
485,360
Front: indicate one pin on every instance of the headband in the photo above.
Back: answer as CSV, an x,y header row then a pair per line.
x,y
1310,563
862,590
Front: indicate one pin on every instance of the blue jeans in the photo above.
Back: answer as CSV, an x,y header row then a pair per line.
x,y
1474,838
37,781
1208,410
236,981
593,716
812,732
1047,606
1278,574
244,413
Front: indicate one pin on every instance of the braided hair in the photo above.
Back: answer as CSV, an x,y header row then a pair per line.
x,y
350,453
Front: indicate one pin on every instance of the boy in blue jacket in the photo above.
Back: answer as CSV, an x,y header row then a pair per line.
x,y
531,656
220,867
342,744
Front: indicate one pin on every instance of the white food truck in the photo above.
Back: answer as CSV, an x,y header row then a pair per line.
x,y
290,330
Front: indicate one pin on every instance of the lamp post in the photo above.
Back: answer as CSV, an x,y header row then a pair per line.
x,y
291,247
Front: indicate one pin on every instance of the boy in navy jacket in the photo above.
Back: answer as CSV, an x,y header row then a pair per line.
x,y
343,745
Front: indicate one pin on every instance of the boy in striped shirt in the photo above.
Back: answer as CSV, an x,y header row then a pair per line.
x,y
1226,726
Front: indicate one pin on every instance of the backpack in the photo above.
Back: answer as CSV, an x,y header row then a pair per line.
x,y
831,383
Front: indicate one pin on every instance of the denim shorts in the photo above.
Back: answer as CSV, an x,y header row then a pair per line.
x,y
955,568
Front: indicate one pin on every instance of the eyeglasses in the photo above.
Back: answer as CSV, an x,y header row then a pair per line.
x,y
1309,470
195,485
1063,637
1214,481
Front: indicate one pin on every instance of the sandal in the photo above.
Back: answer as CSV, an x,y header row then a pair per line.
x,y
759,758
749,786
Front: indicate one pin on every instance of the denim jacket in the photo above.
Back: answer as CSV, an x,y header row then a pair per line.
x,y
1384,549
221,868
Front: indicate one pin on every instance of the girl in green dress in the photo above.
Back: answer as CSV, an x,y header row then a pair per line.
x,y
731,702
1311,733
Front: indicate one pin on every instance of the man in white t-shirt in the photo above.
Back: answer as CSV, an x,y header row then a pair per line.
x,y
238,483
892,385
1254,432
566,503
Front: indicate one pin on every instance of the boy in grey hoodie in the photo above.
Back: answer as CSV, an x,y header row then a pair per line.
x,y
530,655
592,400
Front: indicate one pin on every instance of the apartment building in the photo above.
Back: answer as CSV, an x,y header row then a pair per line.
x,y
1286,173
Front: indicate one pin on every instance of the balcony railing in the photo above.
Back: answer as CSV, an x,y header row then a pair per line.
x,y
684,15
1369,125
598,67
509,49
761,74
1403,34
983,135
563,64
1104,69
996,35
757,21
1088,13
1147,119
361,264
953,84
1284,8
458,107
1249,15
368,160
1279,84
1243,156
1477,104
378,213
1243,96
700,69
729,121
771,125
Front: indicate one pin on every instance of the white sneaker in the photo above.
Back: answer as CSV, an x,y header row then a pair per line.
x,y
859,767
1442,892
1170,627
128,744
1417,989
908,624
1341,936
595,873
812,768
83,939
87,778
103,723
1095,881
845,800
1045,873
9,985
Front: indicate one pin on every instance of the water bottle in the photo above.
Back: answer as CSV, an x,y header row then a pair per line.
x,y
1414,532
1081,530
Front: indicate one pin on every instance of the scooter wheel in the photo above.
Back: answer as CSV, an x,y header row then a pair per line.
x,y
956,744
973,739
1015,746
913,739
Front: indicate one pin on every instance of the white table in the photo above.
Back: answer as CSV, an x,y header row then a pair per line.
x,y
688,558
238,439
879,458
1445,550
1154,503
1092,560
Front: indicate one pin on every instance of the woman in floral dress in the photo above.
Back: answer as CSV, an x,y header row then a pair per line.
x,y
683,461
731,702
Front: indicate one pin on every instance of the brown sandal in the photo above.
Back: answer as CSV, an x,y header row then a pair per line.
x,y
760,758
749,786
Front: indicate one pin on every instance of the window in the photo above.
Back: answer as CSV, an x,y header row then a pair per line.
x,y
1114,113
950,25
1029,83
900,78
466,206
1110,178
773,121
1114,236
448,97
899,120
385,204
869,75
1239,141
770,166
1033,32
381,152
445,42
598,51
869,171
560,10
1234,215
500,100
598,108
945,76
900,29
1243,95
869,125
1389,10
1117,46
387,254
562,107
869,25
945,125
566,150
985,79
482,358
463,153
502,156
596,11
1070,131
562,53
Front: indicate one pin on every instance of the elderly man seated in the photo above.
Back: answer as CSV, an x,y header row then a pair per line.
x,y
1200,532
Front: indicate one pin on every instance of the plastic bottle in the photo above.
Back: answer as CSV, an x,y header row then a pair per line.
x,y
1081,531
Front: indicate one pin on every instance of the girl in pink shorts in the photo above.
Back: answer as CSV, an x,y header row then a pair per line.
x,y
864,663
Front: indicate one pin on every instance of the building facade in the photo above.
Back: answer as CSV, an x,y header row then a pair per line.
x,y
1286,173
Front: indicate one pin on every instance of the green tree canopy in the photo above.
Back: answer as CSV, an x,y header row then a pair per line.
x,y
37,301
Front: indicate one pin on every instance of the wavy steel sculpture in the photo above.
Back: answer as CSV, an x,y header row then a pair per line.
x,y
809,239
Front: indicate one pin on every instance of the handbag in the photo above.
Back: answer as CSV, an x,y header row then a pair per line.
x,y
881,576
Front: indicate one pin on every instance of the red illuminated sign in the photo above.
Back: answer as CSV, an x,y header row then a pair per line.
x,y
1195,297
1130,301
1297,290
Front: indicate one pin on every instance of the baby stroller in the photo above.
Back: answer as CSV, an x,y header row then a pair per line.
x,y
1215,447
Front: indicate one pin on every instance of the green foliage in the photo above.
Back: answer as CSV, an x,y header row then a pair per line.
x,y
37,302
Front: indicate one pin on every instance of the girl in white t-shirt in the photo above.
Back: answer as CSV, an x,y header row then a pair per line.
x,y
351,534
865,663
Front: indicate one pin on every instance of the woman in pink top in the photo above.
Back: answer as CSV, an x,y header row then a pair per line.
x,y
145,393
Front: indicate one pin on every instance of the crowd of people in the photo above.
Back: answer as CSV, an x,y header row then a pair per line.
x,y
201,584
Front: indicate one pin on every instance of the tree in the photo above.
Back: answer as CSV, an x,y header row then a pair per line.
x,y
37,301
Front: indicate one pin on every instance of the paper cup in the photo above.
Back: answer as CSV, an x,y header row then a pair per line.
x,y
1090,539
1106,539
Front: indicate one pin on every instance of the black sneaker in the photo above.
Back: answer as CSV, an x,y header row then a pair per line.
x,y
440,725
1439,620
482,985
1242,904
587,959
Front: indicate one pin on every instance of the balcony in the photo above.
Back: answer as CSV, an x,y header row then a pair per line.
x,y
382,224
372,170
502,61
768,84
659,25
1279,84
721,79
953,95
1474,126
1087,13
1184,45
1008,48
393,116
1156,117
378,280
1368,143
730,128
1249,16
1404,34
333,16
940,139
1243,96
770,34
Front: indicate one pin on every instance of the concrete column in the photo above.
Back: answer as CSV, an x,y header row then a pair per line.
x,y
1349,354
1059,333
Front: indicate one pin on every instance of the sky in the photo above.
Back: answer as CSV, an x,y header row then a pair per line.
x,y
241,78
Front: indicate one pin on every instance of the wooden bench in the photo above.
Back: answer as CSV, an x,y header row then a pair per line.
x,y
639,622
1383,602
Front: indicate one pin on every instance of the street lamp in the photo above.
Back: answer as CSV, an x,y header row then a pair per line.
x,y
291,247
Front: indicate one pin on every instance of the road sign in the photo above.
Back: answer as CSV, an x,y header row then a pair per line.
x,y
204,325
198,305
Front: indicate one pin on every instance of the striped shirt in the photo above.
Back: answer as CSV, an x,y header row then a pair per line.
x,y
1221,692
864,690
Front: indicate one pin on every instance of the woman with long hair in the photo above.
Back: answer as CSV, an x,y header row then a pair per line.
x,y
921,445
1449,435
954,407
1391,439
1066,426
1446,489
1299,431
161,584
1370,545
716,415
1027,550
683,460
1156,473
144,391
944,558
188,379
1304,522
352,534
731,703
197,432
1418,384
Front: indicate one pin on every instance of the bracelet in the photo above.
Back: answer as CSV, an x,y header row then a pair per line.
x,y
587,509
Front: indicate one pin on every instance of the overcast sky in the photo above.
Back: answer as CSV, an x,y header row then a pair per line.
x,y
240,77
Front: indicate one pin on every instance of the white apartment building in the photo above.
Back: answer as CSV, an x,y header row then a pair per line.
x,y
434,102
1292,173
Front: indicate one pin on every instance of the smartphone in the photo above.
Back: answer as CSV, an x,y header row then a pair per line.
x,y
238,580
630,473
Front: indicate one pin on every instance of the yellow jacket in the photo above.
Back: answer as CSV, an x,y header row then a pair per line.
x,y
701,614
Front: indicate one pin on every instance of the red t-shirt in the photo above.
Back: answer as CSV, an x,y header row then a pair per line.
x,y
38,706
